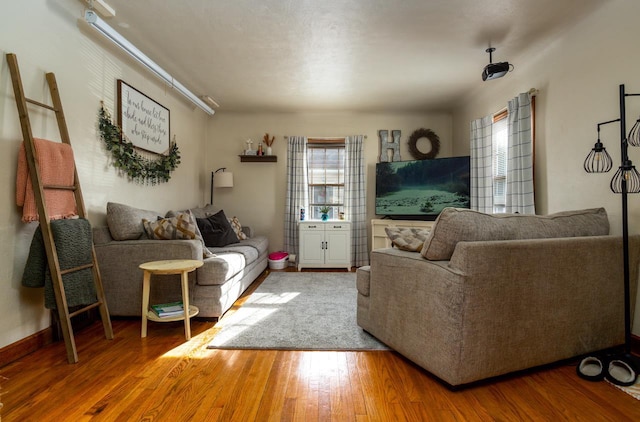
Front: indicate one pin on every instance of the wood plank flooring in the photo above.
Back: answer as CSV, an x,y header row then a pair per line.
x,y
164,378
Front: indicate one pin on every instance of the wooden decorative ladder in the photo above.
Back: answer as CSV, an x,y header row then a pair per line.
x,y
38,190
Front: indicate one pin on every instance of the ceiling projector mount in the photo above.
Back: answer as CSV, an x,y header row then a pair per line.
x,y
495,70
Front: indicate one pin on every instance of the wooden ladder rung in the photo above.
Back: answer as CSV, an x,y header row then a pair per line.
x,y
85,309
74,269
59,187
38,188
38,103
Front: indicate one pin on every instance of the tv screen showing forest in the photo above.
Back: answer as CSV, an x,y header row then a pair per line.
x,y
422,188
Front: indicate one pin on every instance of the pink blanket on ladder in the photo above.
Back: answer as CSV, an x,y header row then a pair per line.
x,y
56,165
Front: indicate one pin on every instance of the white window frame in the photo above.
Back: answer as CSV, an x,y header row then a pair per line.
x,y
499,142
335,208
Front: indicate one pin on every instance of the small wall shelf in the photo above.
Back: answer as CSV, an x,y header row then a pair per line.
x,y
258,158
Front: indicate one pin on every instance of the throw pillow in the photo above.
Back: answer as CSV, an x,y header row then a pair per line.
x,y
125,222
205,252
181,226
216,230
237,228
407,239
455,225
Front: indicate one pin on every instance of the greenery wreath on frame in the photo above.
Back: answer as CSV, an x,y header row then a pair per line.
x,y
126,159
413,144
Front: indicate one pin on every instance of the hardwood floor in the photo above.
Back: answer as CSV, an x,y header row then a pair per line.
x,y
164,378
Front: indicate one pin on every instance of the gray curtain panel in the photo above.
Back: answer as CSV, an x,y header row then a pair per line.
x,y
297,191
356,198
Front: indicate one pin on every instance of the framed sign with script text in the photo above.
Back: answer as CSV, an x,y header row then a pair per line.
x,y
144,122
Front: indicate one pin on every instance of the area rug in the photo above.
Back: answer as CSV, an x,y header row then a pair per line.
x,y
632,390
297,311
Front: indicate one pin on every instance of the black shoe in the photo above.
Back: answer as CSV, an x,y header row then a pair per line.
x,y
622,370
592,368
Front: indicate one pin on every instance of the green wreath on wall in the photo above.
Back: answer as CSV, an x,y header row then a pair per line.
x,y
126,159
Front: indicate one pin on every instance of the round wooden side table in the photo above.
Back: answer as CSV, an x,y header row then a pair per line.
x,y
167,267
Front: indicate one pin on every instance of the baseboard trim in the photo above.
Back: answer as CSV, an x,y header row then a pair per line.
x,y
20,348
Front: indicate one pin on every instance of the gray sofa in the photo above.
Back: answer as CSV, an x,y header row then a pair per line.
x,y
472,304
213,288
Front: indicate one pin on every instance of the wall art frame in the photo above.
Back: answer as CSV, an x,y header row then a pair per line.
x,y
144,122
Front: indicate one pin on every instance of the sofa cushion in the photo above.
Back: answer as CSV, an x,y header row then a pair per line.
x,y
229,260
407,238
125,222
363,280
216,230
454,225
181,226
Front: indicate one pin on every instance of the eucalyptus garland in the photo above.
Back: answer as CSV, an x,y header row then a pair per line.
x,y
126,159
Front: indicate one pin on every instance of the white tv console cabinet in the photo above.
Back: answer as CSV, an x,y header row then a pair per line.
x,y
324,244
379,238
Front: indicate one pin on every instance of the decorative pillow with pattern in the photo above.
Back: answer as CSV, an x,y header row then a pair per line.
x,y
182,226
237,228
205,252
406,238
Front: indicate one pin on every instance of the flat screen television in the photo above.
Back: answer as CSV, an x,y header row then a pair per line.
x,y
421,189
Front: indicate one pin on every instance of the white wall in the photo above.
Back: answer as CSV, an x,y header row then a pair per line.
x,y
258,195
578,77
46,37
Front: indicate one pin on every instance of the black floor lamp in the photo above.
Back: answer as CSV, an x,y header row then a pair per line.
x,y
622,368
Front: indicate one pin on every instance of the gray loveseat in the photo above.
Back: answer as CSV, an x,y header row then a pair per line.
x,y
478,307
213,288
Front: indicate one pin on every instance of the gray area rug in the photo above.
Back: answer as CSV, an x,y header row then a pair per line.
x,y
297,311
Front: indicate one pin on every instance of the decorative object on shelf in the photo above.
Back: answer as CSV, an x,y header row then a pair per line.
x,y
433,139
249,151
140,169
268,142
621,369
224,180
324,213
260,150
386,146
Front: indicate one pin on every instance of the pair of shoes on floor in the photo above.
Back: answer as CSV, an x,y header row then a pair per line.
x,y
620,369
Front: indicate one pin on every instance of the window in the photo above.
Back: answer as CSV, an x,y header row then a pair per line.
x,y
326,166
499,145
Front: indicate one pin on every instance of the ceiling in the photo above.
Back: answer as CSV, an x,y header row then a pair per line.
x,y
340,55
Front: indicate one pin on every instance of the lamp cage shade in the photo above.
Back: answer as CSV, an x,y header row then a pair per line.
x,y
598,160
628,174
223,179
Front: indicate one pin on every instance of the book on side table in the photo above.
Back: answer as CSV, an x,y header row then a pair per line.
x,y
166,310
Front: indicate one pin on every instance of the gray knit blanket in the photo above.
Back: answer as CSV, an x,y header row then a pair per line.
x,y
73,240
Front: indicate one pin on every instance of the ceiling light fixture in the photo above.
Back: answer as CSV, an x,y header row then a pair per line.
x,y
112,35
